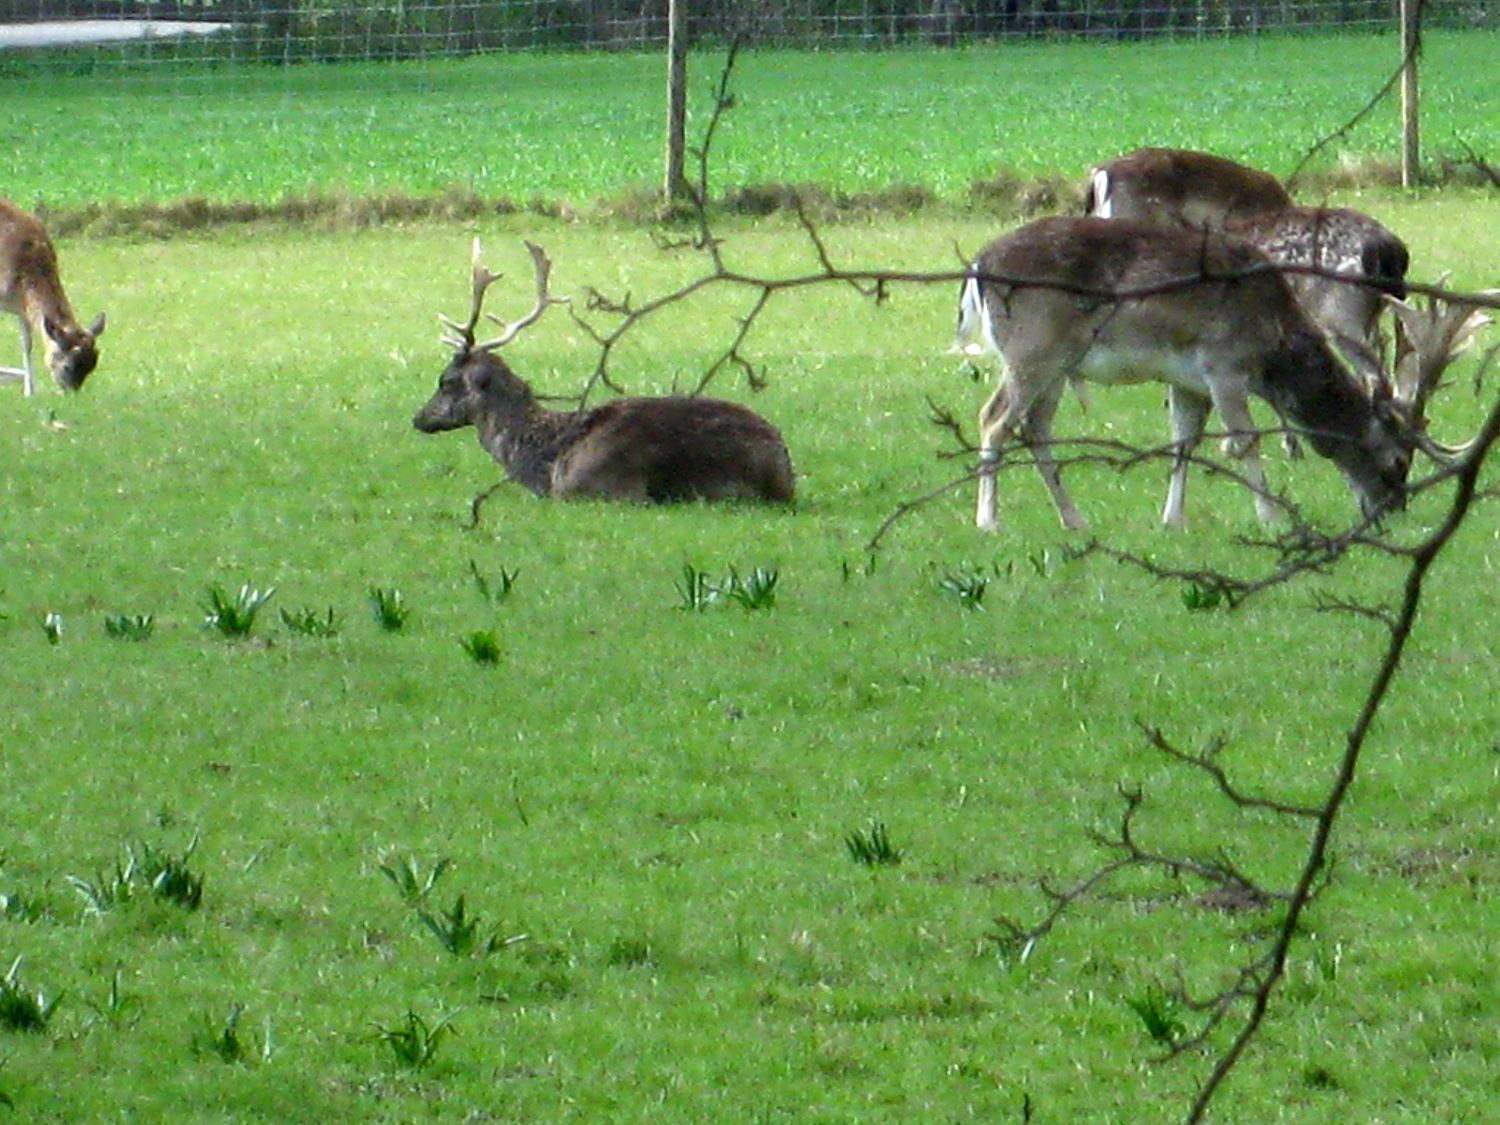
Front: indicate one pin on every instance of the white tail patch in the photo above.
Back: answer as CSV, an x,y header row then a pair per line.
x,y
975,335
1100,193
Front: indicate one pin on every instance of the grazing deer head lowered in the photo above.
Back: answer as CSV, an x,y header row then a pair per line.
x,y
648,450
1111,301
31,289
1348,262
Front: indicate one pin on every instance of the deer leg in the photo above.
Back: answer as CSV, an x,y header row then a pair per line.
x,y
1189,414
1244,443
1036,432
994,420
20,374
28,379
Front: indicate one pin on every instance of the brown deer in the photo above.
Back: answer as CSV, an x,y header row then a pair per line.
x,y
1200,190
1195,189
31,289
1114,302
648,450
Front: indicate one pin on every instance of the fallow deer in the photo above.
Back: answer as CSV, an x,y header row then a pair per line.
x,y
643,449
1114,302
1200,190
1195,189
31,289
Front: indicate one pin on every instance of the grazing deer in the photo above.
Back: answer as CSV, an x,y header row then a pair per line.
x,y
1200,190
31,289
648,450
1115,302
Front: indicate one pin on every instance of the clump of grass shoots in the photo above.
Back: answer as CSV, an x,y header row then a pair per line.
x,y
482,646
1198,599
413,1041
1157,1010
21,1009
968,586
406,876
130,626
873,848
310,622
457,931
389,607
225,1041
165,876
493,592
234,616
756,590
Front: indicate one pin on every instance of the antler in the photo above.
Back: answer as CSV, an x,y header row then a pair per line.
x,y
1429,337
543,266
461,336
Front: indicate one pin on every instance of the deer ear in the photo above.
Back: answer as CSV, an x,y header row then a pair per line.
x,y
97,328
51,327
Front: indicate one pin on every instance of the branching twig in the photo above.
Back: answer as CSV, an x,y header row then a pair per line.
x,y
1413,50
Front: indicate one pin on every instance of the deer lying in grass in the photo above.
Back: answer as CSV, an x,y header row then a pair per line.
x,y
1111,301
1200,190
31,289
648,450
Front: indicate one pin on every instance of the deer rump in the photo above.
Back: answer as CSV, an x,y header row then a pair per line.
x,y
665,450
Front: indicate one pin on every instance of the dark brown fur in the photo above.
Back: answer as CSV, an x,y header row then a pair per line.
x,y
646,450
1197,189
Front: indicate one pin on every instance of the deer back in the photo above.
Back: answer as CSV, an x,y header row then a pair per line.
x,y
1346,242
1066,292
659,450
1182,187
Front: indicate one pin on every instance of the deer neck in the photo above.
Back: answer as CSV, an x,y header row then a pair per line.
x,y
525,438
30,288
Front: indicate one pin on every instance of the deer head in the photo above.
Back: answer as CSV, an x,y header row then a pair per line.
x,y
71,350
476,375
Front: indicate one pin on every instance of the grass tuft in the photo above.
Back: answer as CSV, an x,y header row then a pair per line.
x,y
413,1041
234,616
482,646
389,608
872,848
1158,1011
492,591
406,876
164,876
458,931
224,1040
22,1009
310,622
130,627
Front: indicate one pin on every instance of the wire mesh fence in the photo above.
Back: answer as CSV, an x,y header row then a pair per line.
x,y
288,31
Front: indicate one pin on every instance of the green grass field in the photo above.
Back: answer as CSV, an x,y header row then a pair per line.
x,y
586,128
657,798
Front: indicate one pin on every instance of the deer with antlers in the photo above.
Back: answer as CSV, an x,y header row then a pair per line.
x,y
31,289
1115,301
1343,263
643,449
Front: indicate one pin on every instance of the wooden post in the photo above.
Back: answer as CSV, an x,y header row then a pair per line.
x,y
1411,168
676,185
